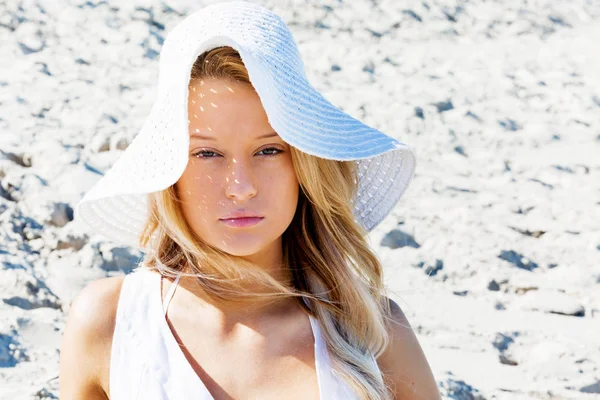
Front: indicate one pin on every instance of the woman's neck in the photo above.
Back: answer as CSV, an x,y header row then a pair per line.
x,y
232,306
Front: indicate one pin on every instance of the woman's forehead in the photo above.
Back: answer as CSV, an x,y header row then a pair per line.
x,y
222,109
206,85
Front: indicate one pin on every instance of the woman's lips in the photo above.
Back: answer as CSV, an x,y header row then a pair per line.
x,y
242,222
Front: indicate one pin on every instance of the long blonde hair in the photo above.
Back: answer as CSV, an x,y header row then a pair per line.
x,y
330,262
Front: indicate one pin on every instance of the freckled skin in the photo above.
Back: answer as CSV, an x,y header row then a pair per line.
x,y
236,170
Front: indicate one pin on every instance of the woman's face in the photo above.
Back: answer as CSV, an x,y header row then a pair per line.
x,y
237,164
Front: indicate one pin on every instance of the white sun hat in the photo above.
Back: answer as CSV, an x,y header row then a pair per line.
x,y
116,206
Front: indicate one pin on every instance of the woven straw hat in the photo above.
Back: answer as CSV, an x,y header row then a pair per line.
x,y
116,206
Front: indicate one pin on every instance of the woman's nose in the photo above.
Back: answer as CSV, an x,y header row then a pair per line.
x,y
239,181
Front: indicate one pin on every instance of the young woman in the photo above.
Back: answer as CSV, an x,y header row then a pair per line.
x,y
251,196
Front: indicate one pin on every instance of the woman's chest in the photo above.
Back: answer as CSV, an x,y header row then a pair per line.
x,y
251,362
150,359
242,380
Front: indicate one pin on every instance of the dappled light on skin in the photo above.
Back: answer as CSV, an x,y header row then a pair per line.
x,y
237,164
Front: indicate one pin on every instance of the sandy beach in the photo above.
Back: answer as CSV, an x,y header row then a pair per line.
x,y
493,252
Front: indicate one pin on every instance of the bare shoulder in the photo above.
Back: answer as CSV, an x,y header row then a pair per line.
x,y
404,364
94,308
87,340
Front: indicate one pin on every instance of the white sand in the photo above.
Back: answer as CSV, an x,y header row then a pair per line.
x,y
500,100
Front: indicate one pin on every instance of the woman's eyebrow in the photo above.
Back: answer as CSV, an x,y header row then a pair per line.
x,y
198,136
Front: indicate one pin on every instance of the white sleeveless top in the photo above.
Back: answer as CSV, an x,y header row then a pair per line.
x,y
147,363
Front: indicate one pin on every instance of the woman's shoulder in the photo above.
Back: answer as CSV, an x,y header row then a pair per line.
x,y
87,339
93,311
404,362
95,306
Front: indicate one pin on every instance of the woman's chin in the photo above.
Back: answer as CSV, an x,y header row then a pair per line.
x,y
242,249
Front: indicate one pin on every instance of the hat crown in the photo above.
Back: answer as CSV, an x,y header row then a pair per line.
x,y
254,30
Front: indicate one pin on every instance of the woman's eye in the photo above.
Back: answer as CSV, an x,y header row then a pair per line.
x,y
269,149
204,153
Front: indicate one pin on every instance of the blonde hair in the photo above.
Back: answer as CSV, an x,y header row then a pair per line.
x,y
330,263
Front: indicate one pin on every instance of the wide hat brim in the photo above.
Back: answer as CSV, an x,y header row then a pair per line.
x,y
116,206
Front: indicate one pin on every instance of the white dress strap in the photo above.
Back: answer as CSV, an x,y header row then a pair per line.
x,y
170,294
